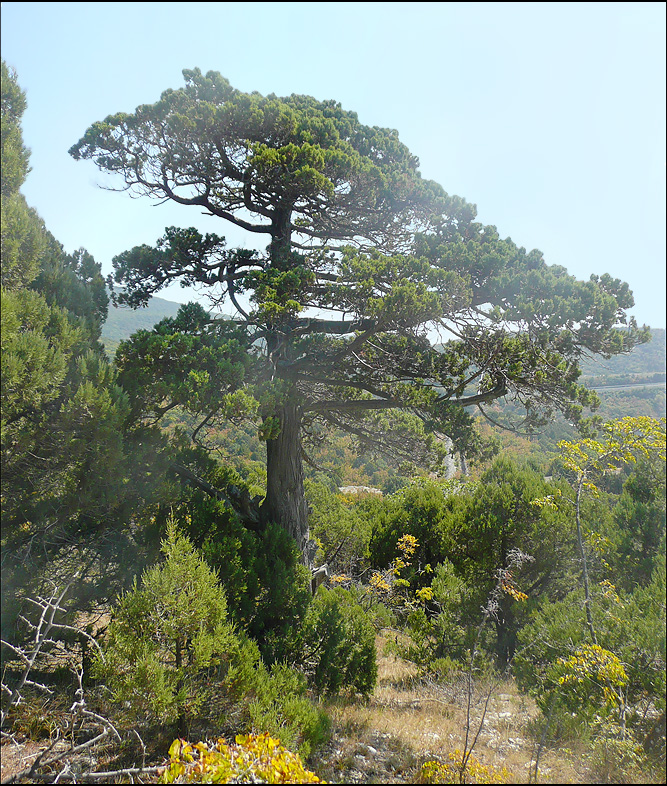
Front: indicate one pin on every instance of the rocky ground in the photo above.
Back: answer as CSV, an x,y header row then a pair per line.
x,y
408,721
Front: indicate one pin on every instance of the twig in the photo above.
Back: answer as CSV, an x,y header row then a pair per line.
x,y
143,747
533,773
113,773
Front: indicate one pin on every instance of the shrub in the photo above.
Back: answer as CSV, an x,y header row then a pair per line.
x,y
267,589
616,756
453,771
253,759
166,635
171,652
440,636
588,680
341,532
589,691
340,644
632,626
273,700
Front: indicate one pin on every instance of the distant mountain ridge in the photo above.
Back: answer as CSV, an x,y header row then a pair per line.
x,y
644,359
123,321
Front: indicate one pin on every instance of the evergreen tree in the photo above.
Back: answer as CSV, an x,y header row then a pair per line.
x,y
640,517
20,228
167,633
68,444
379,253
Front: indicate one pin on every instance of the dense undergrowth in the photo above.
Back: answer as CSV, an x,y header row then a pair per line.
x,y
221,636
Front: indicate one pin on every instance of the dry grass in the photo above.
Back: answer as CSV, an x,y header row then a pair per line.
x,y
408,722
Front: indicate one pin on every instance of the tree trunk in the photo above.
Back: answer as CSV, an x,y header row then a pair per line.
x,y
285,502
505,633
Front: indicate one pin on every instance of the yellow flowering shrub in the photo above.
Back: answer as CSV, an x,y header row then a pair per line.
x,y
407,545
340,578
452,771
424,594
387,585
591,677
508,586
378,583
255,758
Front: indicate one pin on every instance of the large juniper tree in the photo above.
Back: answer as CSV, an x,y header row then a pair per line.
x,y
363,260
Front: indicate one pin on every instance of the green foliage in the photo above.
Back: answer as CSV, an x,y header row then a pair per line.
x,y
473,527
268,590
631,627
587,679
166,635
640,518
67,448
339,644
74,282
615,756
341,532
283,597
15,155
282,708
442,636
426,509
253,759
66,409
73,463
272,699
183,363
22,237
623,442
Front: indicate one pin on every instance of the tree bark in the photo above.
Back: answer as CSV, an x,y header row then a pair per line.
x,y
285,502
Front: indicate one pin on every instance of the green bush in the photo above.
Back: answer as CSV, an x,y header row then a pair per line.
x,y
339,644
556,662
341,532
171,654
267,589
167,635
274,700
282,709
438,633
427,509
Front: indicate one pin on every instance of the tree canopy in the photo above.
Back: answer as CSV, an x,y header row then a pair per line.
x,y
67,444
365,260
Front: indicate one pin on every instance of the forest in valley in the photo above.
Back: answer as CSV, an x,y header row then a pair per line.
x,y
385,505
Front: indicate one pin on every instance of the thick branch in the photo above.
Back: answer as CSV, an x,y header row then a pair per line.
x,y
333,326
203,202
353,405
498,392
239,500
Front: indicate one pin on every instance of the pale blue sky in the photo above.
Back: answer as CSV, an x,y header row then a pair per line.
x,y
550,117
